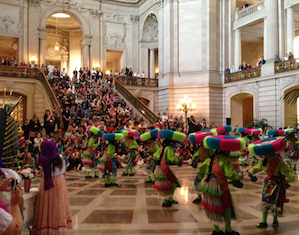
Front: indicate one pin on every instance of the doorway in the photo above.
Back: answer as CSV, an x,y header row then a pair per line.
x,y
114,61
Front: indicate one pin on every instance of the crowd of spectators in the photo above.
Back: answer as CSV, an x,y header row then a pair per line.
x,y
91,100
245,66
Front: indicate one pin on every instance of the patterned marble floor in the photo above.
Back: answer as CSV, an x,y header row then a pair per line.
x,y
132,208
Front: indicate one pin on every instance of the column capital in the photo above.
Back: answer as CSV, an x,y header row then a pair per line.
x,y
42,33
86,40
290,9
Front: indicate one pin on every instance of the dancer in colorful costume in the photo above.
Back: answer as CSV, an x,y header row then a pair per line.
x,y
165,181
245,132
89,154
213,174
278,177
202,153
293,155
108,156
132,148
256,132
150,139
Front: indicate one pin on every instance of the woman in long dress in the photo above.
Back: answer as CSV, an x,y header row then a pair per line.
x,y
52,212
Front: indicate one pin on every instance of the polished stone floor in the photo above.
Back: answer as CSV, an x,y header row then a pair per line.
x,y
133,208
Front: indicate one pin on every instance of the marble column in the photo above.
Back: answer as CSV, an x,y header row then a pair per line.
x,y
86,42
42,46
272,30
290,30
152,63
237,49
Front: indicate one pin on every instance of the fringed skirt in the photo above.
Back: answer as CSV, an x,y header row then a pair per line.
x,y
150,166
215,201
164,182
273,196
87,160
52,212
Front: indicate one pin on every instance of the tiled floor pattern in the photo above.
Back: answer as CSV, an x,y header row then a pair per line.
x,y
133,207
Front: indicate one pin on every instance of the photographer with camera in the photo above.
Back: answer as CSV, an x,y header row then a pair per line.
x,y
11,223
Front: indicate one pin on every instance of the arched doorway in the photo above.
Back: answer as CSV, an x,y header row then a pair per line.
x,y
291,111
63,41
149,47
242,109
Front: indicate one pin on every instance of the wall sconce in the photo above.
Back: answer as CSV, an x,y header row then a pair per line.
x,y
33,59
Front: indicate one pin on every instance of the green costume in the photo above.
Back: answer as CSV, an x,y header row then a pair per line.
x,y
132,145
275,185
217,202
165,180
150,165
244,157
88,160
200,156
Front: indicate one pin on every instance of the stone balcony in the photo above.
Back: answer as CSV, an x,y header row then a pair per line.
x,y
281,67
250,14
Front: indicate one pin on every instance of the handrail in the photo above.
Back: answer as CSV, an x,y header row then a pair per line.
x,y
136,81
285,66
19,72
243,75
145,111
249,10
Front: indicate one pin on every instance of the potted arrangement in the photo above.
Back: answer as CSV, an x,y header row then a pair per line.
x,y
27,174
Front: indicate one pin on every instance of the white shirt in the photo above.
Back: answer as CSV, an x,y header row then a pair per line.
x,y
5,220
63,73
143,75
93,72
51,68
164,118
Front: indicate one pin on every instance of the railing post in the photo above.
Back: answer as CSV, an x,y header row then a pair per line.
x,y
237,14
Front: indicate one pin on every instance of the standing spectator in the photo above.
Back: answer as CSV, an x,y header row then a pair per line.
x,y
26,129
75,74
285,58
49,122
164,117
63,73
227,70
66,118
53,206
244,66
57,116
291,56
35,128
192,127
232,70
6,62
142,74
51,68
262,61
240,68
248,66
277,59
130,73
44,69
245,5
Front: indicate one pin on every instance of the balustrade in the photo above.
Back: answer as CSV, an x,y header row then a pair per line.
x,y
134,81
243,75
249,10
145,111
19,72
286,66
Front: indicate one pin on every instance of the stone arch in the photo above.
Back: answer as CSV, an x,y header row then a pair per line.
x,y
290,111
242,108
150,27
85,26
251,89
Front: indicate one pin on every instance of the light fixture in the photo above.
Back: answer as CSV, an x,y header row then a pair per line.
x,y
157,70
61,15
185,105
57,47
33,59
97,66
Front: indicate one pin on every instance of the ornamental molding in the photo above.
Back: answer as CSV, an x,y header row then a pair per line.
x,y
12,2
288,82
251,88
115,39
10,25
115,17
150,28
34,3
135,19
